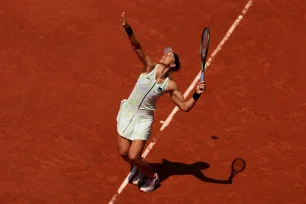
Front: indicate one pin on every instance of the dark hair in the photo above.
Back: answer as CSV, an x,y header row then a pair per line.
x,y
177,63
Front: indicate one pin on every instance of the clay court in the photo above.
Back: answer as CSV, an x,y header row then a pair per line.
x,y
66,65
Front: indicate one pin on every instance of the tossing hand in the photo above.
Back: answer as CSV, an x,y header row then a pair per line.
x,y
123,20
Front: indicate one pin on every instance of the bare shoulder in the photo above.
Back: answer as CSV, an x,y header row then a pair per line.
x,y
149,67
172,85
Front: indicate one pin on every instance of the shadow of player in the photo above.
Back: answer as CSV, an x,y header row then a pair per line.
x,y
167,168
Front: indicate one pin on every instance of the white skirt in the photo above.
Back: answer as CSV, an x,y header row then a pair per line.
x,y
134,124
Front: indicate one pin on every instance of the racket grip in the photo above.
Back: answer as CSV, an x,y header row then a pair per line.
x,y
202,77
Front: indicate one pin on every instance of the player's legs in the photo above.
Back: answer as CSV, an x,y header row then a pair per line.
x,y
135,157
124,146
144,167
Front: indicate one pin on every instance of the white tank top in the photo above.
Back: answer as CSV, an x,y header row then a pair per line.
x,y
147,91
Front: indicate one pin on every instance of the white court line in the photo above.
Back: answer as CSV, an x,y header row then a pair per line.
x,y
190,88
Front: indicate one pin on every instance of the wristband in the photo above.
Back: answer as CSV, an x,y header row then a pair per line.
x,y
129,30
196,96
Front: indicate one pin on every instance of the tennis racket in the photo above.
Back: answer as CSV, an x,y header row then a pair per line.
x,y
205,38
238,165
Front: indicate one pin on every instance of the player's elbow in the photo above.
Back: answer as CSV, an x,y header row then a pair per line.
x,y
185,108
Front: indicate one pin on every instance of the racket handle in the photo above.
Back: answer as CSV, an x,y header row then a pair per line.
x,y
202,77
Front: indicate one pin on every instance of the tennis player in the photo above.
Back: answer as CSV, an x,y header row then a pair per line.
x,y
136,113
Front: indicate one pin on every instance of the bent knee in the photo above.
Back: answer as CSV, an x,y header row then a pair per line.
x,y
134,158
124,151
124,154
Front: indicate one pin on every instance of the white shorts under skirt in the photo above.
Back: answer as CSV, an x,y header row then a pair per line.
x,y
134,125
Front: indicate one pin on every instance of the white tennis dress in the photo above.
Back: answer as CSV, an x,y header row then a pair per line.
x,y
136,114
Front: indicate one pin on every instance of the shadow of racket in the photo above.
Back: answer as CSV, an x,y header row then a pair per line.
x,y
238,165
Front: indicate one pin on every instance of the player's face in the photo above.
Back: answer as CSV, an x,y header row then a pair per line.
x,y
168,59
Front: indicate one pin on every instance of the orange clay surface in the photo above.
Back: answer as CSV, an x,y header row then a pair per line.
x,y
66,65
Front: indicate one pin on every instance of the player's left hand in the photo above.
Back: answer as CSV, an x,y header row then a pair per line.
x,y
123,20
201,87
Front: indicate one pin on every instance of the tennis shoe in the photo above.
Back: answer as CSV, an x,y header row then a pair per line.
x,y
150,184
136,177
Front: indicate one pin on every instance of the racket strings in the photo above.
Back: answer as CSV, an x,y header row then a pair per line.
x,y
204,44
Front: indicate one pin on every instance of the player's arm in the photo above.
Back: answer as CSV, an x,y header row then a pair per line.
x,y
143,57
179,100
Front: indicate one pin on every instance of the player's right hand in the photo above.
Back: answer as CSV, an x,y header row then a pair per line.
x,y
201,88
123,20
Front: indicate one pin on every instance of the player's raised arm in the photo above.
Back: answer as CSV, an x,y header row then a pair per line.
x,y
144,58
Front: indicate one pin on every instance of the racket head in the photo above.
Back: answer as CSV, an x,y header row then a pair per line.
x,y
204,45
